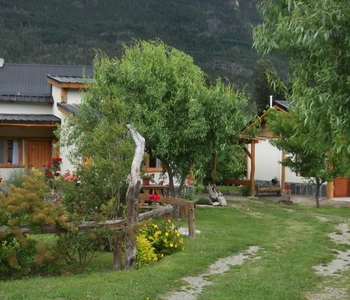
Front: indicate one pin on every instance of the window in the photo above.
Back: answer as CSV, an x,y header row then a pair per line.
x,y
10,152
153,164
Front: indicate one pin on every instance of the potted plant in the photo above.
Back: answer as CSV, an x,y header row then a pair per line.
x,y
147,178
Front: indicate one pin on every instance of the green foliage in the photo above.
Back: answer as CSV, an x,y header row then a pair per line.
x,y
203,201
167,98
306,153
163,235
245,190
103,148
16,177
215,33
78,248
145,252
266,82
315,37
26,206
231,163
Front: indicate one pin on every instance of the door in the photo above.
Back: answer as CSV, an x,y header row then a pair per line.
x,y
341,187
39,153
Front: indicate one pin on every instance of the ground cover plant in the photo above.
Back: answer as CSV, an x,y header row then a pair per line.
x,y
291,241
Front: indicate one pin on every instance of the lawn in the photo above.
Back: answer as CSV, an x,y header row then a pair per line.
x,y
291,240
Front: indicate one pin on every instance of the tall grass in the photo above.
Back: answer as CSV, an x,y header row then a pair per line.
x,y
292,239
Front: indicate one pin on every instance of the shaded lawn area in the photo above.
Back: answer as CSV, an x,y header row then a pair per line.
x,y
292,239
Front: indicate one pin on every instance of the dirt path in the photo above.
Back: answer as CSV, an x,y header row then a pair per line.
x,y
194,285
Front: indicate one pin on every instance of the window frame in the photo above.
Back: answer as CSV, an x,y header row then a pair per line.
x,y
6,164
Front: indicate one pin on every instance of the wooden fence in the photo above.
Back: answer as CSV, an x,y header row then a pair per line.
x,y
187,208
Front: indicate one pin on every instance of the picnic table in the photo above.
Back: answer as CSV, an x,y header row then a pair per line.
x,y
157,189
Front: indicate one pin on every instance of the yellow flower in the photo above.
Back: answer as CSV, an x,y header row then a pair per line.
x,y
178,234
167,233
155,226
171,244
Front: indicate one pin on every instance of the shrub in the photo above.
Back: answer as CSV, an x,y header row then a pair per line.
x,y
203,201
26,206
245,191
78,248
145,252
163,235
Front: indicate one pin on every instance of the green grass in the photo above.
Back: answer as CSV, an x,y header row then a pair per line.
x,y
291,239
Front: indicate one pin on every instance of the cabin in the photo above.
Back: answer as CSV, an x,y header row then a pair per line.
x,y
34,100
264,168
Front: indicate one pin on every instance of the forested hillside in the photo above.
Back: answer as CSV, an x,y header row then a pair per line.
x,y
216,33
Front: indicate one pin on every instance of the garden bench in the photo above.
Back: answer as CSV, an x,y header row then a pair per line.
x,y
267,190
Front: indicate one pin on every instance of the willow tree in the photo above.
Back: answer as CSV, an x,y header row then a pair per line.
x,y
306,153
315,37
183,120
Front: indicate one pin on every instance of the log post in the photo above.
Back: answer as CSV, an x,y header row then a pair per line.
x,y
132,201
191,220
117,254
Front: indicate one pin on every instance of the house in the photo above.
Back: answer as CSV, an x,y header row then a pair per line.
x,y
264,164
34,100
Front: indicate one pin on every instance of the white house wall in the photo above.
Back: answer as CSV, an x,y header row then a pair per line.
x,y
26,108
73,97
267,164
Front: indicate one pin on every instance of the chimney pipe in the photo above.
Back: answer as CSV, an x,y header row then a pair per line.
x,y
1,62
271,101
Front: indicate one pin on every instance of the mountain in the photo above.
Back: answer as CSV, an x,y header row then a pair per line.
x,y
216,33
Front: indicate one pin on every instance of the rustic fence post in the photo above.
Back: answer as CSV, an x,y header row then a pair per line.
x,y
132,201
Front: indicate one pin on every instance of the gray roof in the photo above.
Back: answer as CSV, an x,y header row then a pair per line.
x,y
29,119
28,82
69,79
69,108
282,104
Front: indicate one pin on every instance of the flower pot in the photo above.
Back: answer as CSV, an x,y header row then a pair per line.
x,y
145,181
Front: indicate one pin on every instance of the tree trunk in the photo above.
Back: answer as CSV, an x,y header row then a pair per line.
x,y
132,201
118,245
318,185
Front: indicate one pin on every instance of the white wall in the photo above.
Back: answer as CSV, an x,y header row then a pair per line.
x,y
267,164
25,108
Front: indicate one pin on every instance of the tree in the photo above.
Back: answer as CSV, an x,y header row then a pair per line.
x,y
160,91
265,76
315,37
306,154
101,149
183,120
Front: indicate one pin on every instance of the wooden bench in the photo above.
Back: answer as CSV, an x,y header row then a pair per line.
x,y
267,190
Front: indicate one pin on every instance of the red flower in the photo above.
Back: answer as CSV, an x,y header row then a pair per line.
x,y
48,174
154,197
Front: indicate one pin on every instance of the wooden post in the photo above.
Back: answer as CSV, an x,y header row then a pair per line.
x,y
118,248
283,171
214,165
132,202
330,190
252,169
191,220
